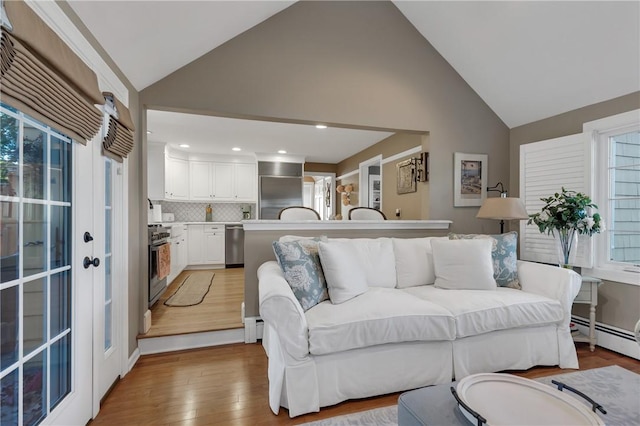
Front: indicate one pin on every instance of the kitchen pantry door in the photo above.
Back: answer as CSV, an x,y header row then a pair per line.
x,y
46,292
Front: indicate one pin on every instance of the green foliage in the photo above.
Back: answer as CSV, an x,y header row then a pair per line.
x,y
565,211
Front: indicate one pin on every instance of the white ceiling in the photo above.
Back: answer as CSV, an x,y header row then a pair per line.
x,y
218,135
527,60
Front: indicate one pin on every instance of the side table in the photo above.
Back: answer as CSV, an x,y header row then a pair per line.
x,y
588,295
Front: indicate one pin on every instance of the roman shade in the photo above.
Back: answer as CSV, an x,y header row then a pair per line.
x,y
42,77
118,142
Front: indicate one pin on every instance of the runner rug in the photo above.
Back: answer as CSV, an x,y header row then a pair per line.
x,y
614,387
193,289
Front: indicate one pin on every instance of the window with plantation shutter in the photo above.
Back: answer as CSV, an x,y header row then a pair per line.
x,y
546,167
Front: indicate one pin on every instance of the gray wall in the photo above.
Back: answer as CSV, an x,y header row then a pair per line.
x,y
354,64
619,304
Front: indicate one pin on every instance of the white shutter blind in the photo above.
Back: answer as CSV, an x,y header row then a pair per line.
x,y
546,167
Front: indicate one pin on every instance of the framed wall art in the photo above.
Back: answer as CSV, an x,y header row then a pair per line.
x,y
406,176
470,179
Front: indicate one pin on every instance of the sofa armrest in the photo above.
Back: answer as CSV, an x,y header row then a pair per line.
x,y
280,309
550,281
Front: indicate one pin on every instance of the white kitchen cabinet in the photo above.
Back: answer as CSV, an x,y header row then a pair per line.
x,y
183,250
177,179
215,181
179,251
245,182
167,176
206,244
223,181
155,172
200,180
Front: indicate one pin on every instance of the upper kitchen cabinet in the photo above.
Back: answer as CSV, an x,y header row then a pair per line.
x,y
167,175
216,181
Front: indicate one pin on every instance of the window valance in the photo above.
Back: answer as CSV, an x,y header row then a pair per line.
x,y
118,142
42,77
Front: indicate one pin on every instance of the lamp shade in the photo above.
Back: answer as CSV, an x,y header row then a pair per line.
x,y
504,208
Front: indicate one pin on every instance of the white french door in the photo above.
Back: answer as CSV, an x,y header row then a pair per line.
x,y
108,296
45,291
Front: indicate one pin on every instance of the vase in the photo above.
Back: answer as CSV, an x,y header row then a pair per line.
x,y
567,247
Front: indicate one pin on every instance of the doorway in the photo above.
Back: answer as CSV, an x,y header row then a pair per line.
x,y
371,183
318,193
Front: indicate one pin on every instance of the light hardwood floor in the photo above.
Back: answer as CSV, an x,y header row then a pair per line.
x,y
220,309
227,385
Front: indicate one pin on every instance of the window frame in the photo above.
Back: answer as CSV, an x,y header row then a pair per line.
x,y
601,131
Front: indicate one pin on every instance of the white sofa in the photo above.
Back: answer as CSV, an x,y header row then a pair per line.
x,y
404,335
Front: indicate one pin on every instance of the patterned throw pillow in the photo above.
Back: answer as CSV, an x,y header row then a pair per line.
x,y
504,256
300,264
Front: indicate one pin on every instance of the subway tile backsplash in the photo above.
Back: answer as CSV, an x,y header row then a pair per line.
x,y
195,212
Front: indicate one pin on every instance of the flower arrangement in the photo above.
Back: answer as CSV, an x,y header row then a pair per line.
x,y
567,214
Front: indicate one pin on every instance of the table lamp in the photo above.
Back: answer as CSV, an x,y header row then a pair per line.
x,y
502,207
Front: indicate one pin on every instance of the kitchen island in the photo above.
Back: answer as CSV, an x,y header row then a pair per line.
x,y
260,234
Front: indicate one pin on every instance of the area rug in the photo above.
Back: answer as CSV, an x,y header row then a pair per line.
x,y
614,387
193,289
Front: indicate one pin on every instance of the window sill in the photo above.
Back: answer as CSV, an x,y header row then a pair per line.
x,y
615,275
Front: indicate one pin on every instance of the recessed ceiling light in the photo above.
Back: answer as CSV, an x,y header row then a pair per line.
x,y
282,151
321,126
184,145
235,148
149,132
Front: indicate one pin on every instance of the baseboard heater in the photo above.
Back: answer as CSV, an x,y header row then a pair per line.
x,y
612,338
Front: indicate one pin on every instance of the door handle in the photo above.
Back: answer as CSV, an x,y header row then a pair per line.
x,y
90,261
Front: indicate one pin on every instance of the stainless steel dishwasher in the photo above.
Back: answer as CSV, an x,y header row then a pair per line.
x,y
234,246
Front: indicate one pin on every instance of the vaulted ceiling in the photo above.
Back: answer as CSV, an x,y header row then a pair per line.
x,y
526,60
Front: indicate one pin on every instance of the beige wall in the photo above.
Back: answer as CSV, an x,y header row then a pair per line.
x,y
619,304
320,167
331,62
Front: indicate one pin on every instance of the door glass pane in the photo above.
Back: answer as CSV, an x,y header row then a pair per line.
x,y
35,236
9,152
108,227
34,389
9,399
60,303
60,368
35,229
9,302
60,170
10,238
34,314
60,236
35,160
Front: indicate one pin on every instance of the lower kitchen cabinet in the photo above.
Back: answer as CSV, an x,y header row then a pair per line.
x,y
206,244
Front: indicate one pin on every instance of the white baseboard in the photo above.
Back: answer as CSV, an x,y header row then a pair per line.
x,y
135,356
154,345
610,337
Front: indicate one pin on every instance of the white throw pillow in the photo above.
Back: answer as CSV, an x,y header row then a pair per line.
x,y
342,270
376,258
463,264
414,261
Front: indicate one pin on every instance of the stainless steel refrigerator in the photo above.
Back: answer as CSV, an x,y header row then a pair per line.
x,y
276,193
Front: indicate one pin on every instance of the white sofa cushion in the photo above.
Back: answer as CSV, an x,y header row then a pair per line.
x,y
479,311
463,264
376,258
342,270
414,261
379,316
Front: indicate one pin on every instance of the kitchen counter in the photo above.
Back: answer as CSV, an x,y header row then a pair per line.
x,y
170,224
295,225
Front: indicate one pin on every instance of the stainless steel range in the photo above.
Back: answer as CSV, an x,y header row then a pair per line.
x,y
158,237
